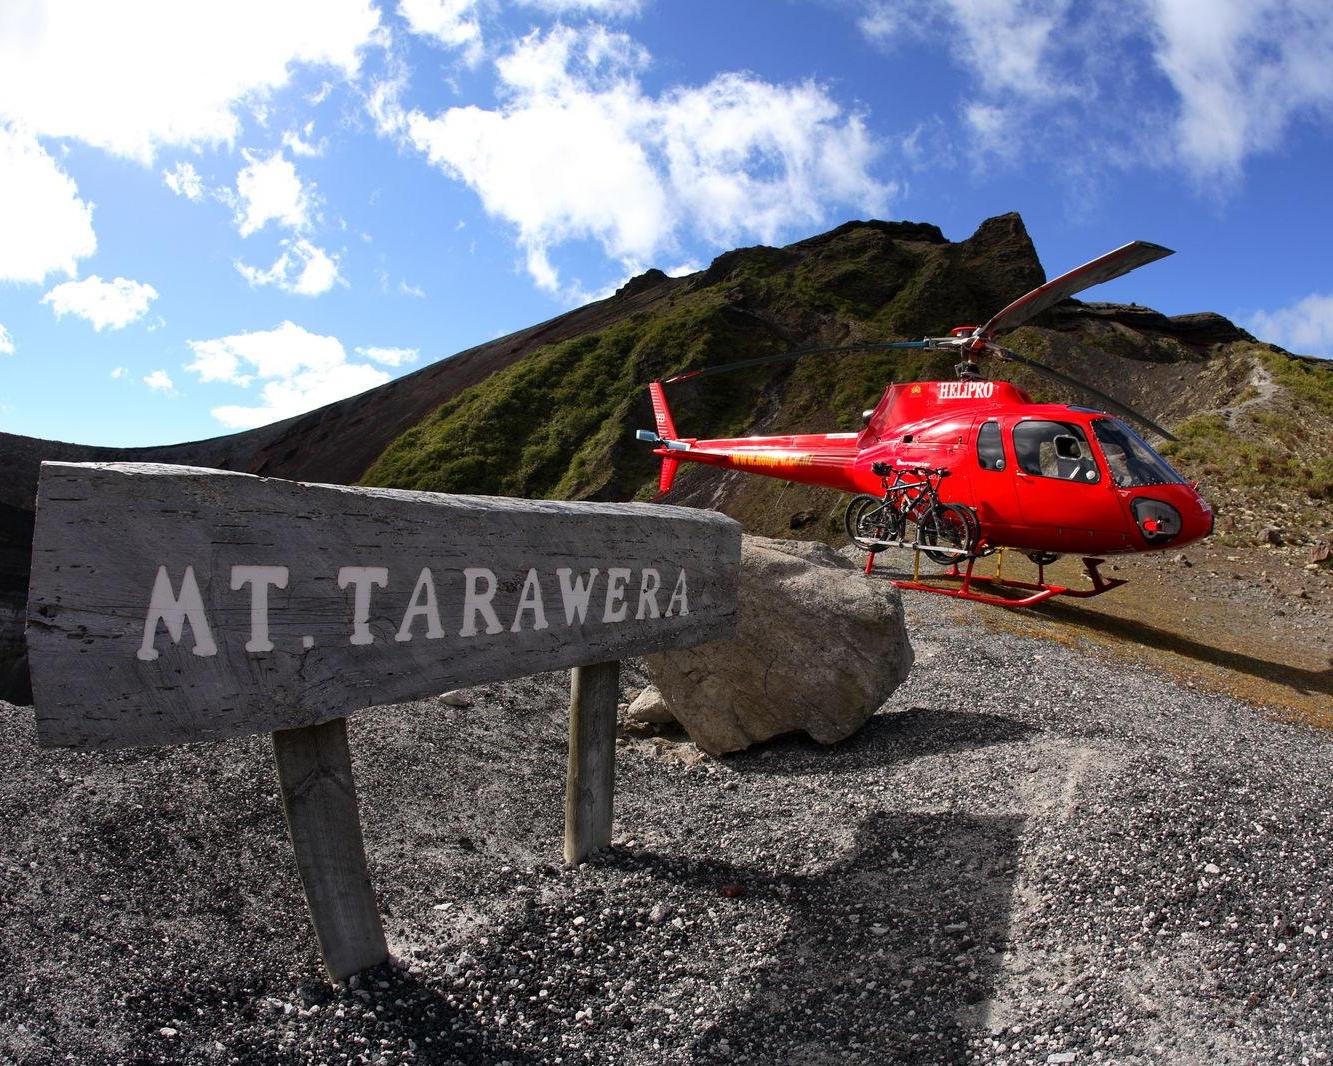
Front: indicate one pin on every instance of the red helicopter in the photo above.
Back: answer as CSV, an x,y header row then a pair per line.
x,y
957,470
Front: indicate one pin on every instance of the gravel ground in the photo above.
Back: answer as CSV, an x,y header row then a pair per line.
x,y
1029,855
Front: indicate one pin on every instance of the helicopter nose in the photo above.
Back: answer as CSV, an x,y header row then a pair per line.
x,y
1169,516
1196,518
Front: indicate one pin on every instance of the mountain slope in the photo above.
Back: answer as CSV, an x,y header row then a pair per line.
x,y
560,423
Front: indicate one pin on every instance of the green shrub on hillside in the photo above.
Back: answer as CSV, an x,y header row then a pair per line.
x,y
1309,381
551,425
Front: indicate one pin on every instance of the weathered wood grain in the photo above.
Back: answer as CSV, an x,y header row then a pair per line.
x,y
313,601
319,799
590,777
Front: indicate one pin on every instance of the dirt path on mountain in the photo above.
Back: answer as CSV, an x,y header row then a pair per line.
x,y
1251,622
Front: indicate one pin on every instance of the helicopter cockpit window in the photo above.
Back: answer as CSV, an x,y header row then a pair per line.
x,y
1130,458
990,449
1055,450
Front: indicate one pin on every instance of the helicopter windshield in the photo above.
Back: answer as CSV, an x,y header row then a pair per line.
x,y
1131,459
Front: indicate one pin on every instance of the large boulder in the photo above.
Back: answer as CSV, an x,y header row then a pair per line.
x,y
818,649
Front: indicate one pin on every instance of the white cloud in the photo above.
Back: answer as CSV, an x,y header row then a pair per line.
x,y
114,304
724,141
384,101
270,190
457,24
130,78
414,291
44,227
118,373
1167,82
390,356
1005,43
158,381
184,180
299,371
303,268
320,95
1306,327
1244,71
737,158
302,143
453,23
607,9
6,342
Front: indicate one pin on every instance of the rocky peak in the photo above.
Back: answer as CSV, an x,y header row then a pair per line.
x,y
924,232
1003,244
649,279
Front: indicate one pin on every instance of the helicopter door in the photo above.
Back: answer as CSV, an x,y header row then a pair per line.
x,y
1061,489
993,484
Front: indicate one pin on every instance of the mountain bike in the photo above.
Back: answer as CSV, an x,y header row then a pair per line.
x,y
946,533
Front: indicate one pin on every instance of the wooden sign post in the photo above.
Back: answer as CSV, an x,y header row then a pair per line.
x,y
173,604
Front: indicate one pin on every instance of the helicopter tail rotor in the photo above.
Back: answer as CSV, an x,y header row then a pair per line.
x,y
666,435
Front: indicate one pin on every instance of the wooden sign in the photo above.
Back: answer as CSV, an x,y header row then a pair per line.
x,y
172,604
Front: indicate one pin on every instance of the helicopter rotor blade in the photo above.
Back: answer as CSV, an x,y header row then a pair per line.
x,y
797,353
1112,404
1104,268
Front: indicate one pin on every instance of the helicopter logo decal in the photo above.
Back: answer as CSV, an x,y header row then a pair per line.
x,y
966,390
760,462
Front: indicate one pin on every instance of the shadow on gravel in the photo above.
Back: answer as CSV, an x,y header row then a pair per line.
x,y
1293,677
383,1019
904,983
885,739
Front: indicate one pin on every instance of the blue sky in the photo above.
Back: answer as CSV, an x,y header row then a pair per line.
x,y
214,215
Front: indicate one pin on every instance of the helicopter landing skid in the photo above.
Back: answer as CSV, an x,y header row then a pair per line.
x,y
1039,590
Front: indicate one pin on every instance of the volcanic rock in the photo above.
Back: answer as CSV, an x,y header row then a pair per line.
x,y
650,707
818,649
649,279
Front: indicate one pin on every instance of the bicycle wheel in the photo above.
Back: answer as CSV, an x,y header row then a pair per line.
x,y
870,523
948,525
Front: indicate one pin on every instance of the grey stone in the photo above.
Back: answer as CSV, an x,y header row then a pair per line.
x,y
818,649
650,707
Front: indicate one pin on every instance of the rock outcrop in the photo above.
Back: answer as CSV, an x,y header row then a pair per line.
x,y
818,649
